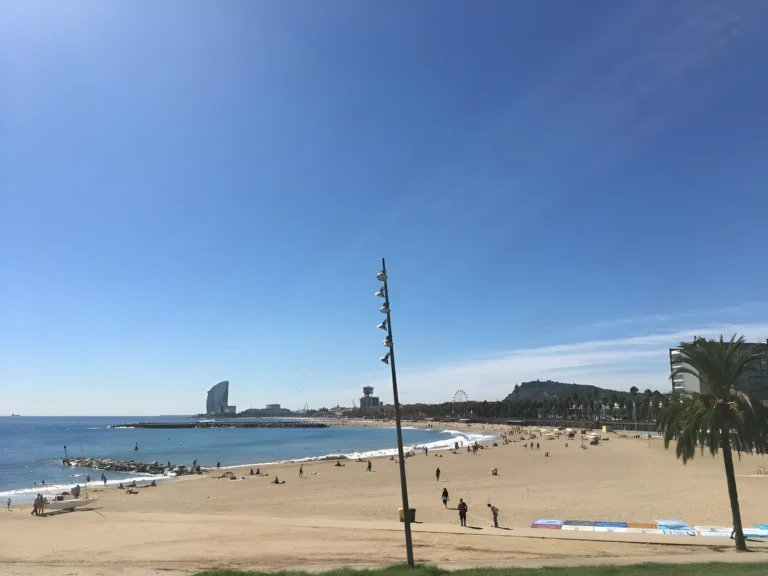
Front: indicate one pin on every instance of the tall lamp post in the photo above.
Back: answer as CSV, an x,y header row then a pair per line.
x,y
389,358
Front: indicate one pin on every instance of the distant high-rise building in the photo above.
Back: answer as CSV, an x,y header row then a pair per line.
x,y
218,398
754,381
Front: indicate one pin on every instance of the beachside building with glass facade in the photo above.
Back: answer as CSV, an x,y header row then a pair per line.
x,y
754,381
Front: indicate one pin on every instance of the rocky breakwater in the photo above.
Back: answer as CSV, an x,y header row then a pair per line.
x,y
108,464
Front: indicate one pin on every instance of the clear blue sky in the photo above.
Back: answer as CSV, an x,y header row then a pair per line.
x,y
198,191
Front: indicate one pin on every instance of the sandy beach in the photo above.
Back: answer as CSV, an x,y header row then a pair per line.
x,y
337,516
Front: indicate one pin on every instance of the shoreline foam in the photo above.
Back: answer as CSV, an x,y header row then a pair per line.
x,y
439,445
26,495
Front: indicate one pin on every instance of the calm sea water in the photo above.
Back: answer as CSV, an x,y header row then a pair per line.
x,y
31,448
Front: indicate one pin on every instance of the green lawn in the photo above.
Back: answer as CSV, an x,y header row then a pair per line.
x,y
712,569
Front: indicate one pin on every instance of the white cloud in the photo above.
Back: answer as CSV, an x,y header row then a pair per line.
x,y
619,364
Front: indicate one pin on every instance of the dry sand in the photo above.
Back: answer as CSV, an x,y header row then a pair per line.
x,y
337,516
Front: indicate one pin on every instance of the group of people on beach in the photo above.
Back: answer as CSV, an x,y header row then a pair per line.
x,y
463,508
38,506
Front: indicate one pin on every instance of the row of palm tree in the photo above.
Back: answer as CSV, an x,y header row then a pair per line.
x,y
643,408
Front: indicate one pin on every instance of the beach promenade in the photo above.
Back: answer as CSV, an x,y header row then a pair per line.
x,y
344,515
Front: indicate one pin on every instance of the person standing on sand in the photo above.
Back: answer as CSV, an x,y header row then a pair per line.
x,y
444,497
370,465
301,470
495,512
437,474
8,505
462,512
218,465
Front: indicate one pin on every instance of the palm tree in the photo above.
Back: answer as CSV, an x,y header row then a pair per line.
x,y
720,417
634,390
656,403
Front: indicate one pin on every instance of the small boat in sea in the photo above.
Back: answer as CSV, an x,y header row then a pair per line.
x,y
15,415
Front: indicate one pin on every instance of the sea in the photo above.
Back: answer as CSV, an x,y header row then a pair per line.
x,y
32,448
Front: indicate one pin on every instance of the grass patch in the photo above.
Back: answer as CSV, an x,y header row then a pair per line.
x,y
708,569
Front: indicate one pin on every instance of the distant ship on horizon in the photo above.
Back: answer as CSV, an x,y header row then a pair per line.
x,y
12,415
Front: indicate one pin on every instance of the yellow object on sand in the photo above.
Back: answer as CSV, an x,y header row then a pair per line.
x,y
494,472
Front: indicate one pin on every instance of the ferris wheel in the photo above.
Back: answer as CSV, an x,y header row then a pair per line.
x,y
460,396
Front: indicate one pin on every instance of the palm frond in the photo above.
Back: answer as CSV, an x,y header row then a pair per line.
x,y
696,421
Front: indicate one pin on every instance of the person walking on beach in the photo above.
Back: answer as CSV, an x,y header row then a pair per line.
x,y
370,465
495,512
8,505
301,470
437,474
218,465
445,498
462,512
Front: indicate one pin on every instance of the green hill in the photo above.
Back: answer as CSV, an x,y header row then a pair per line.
x,y
540,390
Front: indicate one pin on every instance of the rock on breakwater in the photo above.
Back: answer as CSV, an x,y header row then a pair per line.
x,y
224,424
110,464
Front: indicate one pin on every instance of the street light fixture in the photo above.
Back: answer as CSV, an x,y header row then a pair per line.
x,y
389,358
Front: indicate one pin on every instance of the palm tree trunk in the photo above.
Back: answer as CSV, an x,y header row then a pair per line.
x,y
738,532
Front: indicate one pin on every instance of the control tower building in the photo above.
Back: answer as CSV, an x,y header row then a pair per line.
x,y
369,404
